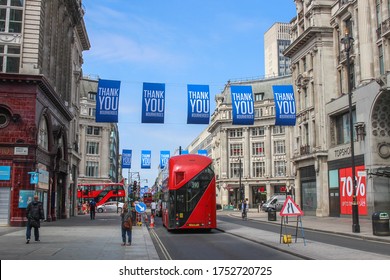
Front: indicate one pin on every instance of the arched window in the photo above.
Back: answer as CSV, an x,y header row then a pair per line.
x,y
43,136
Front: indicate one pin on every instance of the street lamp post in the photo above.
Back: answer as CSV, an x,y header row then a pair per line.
x,y
347,41
242,194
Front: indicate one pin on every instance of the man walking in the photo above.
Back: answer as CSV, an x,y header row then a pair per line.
x,y
153,207
92,209
34,214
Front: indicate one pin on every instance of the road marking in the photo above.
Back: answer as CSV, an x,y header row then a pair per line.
x,y
160,245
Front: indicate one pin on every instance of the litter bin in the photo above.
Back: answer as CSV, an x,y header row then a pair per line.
x,y
271,215
380,223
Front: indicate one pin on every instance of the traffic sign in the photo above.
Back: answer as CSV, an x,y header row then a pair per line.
x,y
290,208
140,207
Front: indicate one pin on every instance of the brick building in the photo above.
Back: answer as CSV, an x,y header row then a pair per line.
x,y
41,45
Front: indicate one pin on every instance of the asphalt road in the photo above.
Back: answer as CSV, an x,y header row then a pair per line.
x,y
214,245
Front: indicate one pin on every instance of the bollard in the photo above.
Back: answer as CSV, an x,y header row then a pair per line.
x,y
151,221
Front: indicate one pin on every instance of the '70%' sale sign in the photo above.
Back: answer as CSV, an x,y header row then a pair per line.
x,y
347,189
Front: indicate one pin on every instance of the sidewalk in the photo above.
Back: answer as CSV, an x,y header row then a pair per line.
x,y
338,225
77,239
304,247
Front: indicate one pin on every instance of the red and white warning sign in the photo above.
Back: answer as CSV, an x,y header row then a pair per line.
x,y
290,208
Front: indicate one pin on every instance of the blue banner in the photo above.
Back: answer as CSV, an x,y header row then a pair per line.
x,y
5,173
146,159
203,153
107,101
126,158
198,104
242,104
285,111
153,103
164,157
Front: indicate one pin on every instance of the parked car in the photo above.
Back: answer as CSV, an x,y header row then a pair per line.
x,y
112,206
274,203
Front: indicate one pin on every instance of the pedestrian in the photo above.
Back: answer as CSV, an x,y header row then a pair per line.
x,y
34,214
92,209
244,209
133,213
126,225
153,207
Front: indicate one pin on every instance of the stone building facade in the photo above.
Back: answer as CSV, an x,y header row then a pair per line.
x,y
260,152
100,141
41,45
321,74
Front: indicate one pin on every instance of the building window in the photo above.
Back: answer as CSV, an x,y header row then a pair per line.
x,y
258,169
9,58
278,129
235,133
279,147
92,148
378,13
4,118
258,131
11,16
258,149
236,150
92,96
381,60
280,168
343,129
235,169
92,112
43,136
259,96
92,169
93,130
258,112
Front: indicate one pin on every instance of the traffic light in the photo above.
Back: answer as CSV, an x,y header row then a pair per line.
x,y
135,186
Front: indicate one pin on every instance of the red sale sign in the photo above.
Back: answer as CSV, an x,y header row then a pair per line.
x,y
347,189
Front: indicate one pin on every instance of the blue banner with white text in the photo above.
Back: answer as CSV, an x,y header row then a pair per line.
x,y
198,104
243,106
203,152
285,110
164,157
153,103
126,158
107,101
146,159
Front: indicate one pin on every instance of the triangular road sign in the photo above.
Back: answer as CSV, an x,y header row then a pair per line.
x,y
290,208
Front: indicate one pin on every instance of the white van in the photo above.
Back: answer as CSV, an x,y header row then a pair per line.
x,y
275,202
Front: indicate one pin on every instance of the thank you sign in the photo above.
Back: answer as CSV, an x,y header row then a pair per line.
x,y
198,104
164,157
146,159
153,103
243,107
285,109
126,158
107,101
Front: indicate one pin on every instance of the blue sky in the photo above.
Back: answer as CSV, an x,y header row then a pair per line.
x,y
176,42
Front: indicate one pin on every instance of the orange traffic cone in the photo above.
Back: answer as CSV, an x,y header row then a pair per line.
x,y
151,221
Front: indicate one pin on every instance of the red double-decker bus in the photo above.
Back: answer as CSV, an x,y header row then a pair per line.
x,y
189,195
101,192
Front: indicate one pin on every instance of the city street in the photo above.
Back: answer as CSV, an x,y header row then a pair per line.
x,y
80,238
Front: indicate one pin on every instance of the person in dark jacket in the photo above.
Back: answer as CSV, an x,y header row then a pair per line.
x,y
126,225
92,209
34,214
